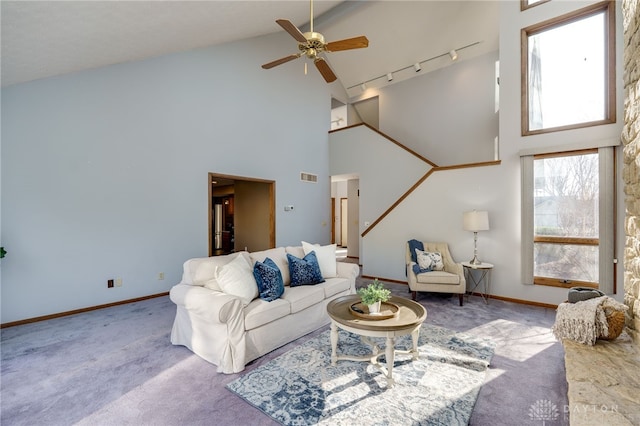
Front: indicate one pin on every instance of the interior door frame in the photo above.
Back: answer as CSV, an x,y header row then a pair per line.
x,y
271,208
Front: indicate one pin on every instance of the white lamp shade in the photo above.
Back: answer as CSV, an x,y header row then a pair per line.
x,y
475,221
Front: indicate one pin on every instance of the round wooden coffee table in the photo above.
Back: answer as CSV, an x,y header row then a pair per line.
x,y
407,320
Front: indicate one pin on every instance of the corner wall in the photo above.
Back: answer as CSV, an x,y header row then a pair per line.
x,y
631,155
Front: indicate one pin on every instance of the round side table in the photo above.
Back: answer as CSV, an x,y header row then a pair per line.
x,y
484,278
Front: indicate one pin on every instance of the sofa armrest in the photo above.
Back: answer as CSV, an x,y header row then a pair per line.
x,y
208,304
347,270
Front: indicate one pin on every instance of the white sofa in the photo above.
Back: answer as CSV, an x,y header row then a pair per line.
x,y
218,327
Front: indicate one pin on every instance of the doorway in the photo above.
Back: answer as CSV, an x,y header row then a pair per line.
x,y
344,222
241,214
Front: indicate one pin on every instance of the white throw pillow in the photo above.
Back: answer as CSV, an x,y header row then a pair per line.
x,y
205,275
326,258
430,261
236,278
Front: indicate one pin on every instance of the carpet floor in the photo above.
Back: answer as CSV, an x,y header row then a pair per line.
x,y
116,366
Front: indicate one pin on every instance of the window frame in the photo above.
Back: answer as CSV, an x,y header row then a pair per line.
x,y
551,239
526,4
608,7
607,259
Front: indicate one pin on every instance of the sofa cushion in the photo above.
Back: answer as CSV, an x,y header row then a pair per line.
x,y
269,279
333,286
297,251
326,257
305,271
279,257
236,278
438,277
260,312
302,297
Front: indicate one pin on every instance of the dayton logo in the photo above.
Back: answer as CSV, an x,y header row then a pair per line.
x,y
544,410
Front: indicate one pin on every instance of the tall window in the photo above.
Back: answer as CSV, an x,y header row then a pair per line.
x,y
565,218
568,218
568,71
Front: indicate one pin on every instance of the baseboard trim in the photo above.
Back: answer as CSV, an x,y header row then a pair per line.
x,y
79,311
491,296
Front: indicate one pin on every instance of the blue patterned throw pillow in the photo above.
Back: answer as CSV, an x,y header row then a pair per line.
x,y
269,280
305,271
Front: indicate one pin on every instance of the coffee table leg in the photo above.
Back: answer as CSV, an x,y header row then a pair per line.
x,y
390,354
415,334
334,343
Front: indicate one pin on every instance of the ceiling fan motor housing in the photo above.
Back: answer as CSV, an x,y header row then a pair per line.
x,y
315,44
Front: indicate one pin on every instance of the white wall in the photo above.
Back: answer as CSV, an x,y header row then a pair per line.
x,y
447,115
434,211
104,172
383,178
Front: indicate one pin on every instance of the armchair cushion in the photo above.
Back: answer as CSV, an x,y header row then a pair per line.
x,y
438,277
429,261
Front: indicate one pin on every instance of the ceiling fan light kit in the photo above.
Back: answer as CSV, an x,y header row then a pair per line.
x,y
312,44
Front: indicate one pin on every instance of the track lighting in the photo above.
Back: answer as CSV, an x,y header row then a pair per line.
x,y
453,54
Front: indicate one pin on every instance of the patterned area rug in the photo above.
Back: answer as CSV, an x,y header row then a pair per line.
x,y
301,387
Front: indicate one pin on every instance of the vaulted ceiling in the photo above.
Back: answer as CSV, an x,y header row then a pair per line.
x,y
48,38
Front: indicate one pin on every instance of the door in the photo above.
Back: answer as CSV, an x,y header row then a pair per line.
x,y
344,221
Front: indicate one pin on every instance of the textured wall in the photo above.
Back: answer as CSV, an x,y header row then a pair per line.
x,y
631,166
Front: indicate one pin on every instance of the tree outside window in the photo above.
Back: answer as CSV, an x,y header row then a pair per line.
x,y
566,221
568,68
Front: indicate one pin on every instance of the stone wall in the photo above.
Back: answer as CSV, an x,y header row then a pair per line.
x,y
631,155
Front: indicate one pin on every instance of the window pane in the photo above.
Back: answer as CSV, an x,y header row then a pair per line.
x,y
566,262
567,73
566,196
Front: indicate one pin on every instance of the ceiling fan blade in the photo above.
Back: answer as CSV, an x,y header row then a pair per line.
x,y
325,70
280,61
348,43
292,29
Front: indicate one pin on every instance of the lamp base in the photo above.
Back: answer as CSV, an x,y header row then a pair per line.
x,y
475,261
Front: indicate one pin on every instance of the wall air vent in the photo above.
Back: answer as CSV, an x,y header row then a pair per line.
x,y
308,177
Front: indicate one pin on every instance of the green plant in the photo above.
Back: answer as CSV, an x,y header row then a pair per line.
x,y
2,252
373,293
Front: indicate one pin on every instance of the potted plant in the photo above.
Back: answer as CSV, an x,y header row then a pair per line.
x,y
373,295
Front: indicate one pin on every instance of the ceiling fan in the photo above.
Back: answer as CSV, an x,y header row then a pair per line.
x,y
312,44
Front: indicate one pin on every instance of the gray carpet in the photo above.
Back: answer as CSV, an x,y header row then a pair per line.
x,y
116,366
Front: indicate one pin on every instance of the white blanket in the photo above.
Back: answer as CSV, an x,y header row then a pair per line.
x,y
585,321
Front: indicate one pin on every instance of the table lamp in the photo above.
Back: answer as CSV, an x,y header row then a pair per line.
x,y
475,221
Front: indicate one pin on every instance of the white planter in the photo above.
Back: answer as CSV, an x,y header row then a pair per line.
x,y
375,308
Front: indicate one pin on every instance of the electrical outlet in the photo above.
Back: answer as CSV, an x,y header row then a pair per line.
x,y
109,283
160,275
118,282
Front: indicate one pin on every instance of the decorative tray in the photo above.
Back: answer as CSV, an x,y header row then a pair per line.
x,y
387,310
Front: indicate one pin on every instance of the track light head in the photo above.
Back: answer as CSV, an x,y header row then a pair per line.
x,y
363,87
453,54
417,66
390,77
